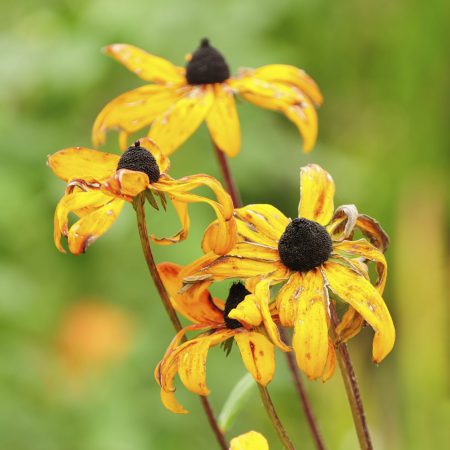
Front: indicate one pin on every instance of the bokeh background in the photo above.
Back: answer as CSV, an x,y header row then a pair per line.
x,y
80,336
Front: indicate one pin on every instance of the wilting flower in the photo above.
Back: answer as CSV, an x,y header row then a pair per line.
x,y
249,441
254,332
179,99
311,255
99,184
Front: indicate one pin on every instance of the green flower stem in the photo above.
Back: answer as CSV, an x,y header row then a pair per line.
x,y
273,416
139,206
351,387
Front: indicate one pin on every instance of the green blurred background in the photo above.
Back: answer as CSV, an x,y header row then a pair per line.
x,y
80,336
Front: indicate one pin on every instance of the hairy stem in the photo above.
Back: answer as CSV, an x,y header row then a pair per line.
x,y
351,387
139,206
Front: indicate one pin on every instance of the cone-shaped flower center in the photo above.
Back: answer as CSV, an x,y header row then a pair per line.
x,y
141,160
235,296
207,66
305,244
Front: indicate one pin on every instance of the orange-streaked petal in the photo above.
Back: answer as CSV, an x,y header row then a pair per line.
x,y
373,231
133,111
316,194
249,441
349,326
258,355
343,223
161,159
173,127
330,365
223,121
287,299
146,66
291,75
126,184
197,304
362,248
83,163
354,289
310,339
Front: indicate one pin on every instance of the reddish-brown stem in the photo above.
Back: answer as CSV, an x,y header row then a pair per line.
x,y
351,387
303,396
139,206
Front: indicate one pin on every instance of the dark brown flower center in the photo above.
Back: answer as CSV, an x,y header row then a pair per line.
x,y
207,66
139,159
305,244
236,295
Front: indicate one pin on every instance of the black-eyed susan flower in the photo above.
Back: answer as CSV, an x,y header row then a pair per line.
x,y
249,441
179,99
311,255
244,316
99,184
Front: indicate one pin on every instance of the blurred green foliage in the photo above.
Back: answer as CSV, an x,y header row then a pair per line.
x,y
383,68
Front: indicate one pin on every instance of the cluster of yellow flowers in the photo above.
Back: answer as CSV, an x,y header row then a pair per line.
x,y
289,270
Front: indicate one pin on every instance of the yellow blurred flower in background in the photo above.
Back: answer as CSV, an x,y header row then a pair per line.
x,y
99,184
311,255
180,99
255,334
249,441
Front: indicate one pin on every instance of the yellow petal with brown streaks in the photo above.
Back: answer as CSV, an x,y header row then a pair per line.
x,y
374,232
161,159
330,365
287,299
223,121
258,355
310,339
316,194
354,289
349,326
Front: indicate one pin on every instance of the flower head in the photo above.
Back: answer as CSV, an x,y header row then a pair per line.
x,y
311,255
99,184
244,316
179,99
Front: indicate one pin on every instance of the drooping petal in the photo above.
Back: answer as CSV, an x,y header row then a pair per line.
x,y
161,159
291,75
287,299
374,232
249,441
361,295
90,227
173,127
223,121
126,184
197,305
146,66
133,111
349,326
316,194
84,163
247,312
258,355
330,365
343,223
169,400
362,248
310,339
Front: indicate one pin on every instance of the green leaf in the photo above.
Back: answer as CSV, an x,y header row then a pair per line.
x,y
151,199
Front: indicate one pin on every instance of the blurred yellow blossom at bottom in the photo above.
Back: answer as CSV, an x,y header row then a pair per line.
x,y
249,441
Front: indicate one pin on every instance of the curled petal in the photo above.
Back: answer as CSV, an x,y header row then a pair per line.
x,y
257,354
310,339
126,184
330,365
133,111
83,163
197,305
287,299
169,400
247,312
146,66
373,231
343,223
349,326
161,159
249,441
223,121
173,127
353,288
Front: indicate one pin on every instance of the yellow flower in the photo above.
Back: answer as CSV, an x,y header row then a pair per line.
x,y
179,99
249,441
310,255
99,184
255,334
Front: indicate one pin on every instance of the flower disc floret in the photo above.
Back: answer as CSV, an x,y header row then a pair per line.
x,y
304,245
207,66
139,159
237,294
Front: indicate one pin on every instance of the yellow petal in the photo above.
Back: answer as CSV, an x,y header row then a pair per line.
x,y
247,312
169,400
349,326
90,227
343,223
173,127
249,441
133,111
291,75
287,299
161,159
257,354
126,183
362,248
310,339
330,365
361,295
223,121
372,229
316,194
144,65
197,304
84,163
